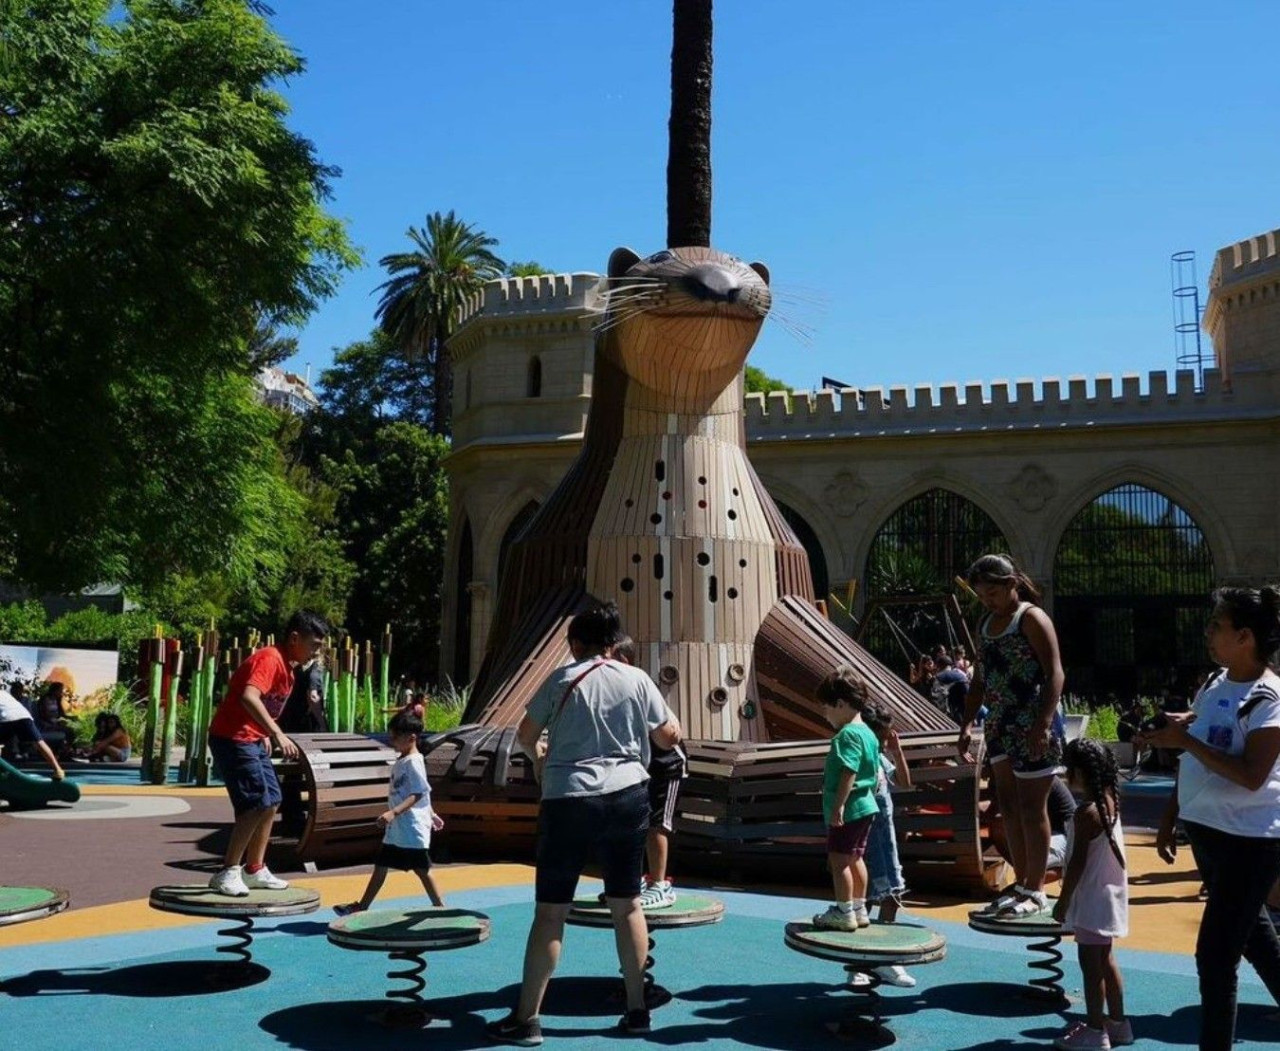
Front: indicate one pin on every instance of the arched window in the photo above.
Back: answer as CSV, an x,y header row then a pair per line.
x,y
919,550
523,517
1131,580
462,635
812,547
533,386
927,542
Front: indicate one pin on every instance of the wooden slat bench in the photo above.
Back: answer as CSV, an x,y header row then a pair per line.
x,y
333,794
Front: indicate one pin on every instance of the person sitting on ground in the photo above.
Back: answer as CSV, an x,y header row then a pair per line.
x,y
51,718
602,718
18,727
848,797
408,820
242,726
111,742
885,884
668,767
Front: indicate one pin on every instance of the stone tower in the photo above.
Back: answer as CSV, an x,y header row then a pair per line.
x,y
1243,312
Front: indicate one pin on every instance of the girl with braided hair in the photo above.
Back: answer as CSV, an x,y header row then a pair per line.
x,y
1095,894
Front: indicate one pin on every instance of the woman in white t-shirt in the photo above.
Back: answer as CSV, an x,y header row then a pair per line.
x,y
1229,800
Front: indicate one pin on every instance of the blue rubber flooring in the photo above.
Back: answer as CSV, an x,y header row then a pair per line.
x,y
736,986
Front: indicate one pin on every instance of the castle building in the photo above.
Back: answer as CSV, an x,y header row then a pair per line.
x,y
1127,500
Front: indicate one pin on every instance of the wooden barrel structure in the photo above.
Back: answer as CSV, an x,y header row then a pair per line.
x,y
745,808
333,794
749,806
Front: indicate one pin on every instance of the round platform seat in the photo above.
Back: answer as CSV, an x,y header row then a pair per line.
x,y
405,936
21,904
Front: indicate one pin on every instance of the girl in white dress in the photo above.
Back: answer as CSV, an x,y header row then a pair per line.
x,y
1095,894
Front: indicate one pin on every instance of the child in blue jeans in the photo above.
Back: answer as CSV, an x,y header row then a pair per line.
x,y
884,871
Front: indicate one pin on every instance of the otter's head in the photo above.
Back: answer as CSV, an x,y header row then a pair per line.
x,y
682,321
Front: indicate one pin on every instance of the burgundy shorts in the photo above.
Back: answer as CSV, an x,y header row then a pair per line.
x,y
851,837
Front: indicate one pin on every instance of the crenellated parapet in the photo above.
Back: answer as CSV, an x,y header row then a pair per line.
x,y
1051,404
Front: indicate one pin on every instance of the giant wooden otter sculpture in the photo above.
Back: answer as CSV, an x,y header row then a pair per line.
x,y
663,514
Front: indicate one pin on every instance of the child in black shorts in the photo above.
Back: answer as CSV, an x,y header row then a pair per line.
x,y
668,767
408,819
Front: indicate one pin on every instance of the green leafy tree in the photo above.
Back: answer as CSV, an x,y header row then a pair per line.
x,y
427,286
394,506
760,382
155,207
529,269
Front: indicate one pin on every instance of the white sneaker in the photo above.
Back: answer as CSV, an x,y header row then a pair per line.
x,y
1119,1033
1080,1037
895,975
658,895
229,881
264,879
836,919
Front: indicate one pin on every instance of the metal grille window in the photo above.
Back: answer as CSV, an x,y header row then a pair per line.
x,y
927,542
1132,578
1133,541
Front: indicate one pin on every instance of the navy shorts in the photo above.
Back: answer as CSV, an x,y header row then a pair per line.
x,y
851,837
246,768
403,859
571,831
22,731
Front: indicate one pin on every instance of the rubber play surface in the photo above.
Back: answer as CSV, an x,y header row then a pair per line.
x,y
111,969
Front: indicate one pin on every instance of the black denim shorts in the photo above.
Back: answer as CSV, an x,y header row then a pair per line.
x,y
574,830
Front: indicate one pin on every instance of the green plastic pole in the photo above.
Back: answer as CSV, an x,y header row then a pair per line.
x,y
207,683
187,769
153,709
384,680
331,699
161,774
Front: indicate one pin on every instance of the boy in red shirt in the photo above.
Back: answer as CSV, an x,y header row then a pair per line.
x,y
242,726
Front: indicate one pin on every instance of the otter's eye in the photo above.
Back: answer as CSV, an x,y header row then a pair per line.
x,y
660,257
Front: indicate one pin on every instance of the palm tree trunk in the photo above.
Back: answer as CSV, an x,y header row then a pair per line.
x,y
442,410
689,130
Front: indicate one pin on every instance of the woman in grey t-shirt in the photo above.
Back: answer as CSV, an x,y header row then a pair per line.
x,y
601,716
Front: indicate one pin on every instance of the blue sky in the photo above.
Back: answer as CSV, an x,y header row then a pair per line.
x,y
947,190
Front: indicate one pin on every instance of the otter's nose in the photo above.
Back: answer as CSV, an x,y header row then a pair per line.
x,y
707,281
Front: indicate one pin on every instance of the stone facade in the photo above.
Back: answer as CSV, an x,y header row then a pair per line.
x,y
1031,455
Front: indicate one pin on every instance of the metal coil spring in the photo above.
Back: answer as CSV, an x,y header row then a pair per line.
x,y
413,995
1049,984
242,939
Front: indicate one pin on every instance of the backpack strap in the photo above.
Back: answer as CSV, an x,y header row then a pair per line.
x,y
1261,692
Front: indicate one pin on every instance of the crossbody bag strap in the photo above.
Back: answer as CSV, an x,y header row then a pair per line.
x,y
569,691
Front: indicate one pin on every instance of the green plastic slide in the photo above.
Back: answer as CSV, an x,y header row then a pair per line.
x,y
23,790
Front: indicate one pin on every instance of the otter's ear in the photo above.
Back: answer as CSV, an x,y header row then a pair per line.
x,y
621,260
762,270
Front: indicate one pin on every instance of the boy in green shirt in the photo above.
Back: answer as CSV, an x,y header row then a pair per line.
x,y
848,797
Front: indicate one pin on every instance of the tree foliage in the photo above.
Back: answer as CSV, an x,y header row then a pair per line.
x,y
156,211
427,287
372,443
757,381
